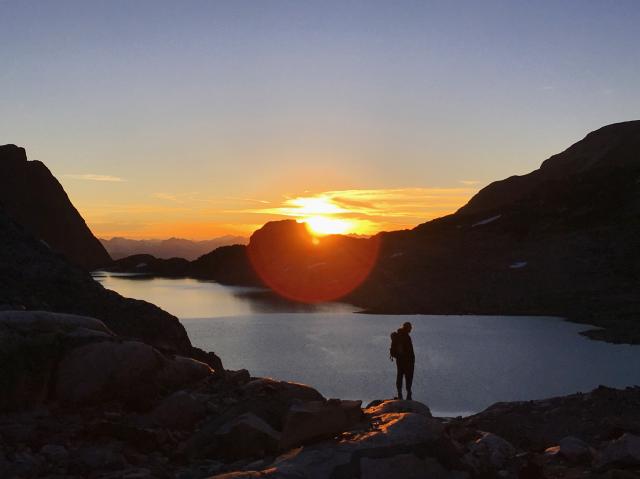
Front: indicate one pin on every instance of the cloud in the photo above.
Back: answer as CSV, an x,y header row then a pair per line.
x,y
373,210
94,177
470,182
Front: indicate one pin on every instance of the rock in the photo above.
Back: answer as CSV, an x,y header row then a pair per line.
x,y
407,429
108,370
287,390
179,411
406,466
55,453
31,343
315,420
34,278
182,371
490,452
247,436
624,451
384,407
132,473
129,371
572,449
96,458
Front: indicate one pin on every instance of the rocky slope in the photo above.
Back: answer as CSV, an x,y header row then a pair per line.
x,y
80,402
34,277
31,196
563,240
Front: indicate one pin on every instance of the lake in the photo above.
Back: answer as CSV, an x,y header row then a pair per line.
x,y
463,363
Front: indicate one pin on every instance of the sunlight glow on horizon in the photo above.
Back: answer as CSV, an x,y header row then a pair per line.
x,y
195,216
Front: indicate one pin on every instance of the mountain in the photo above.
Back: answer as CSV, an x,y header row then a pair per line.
x,y
561,240
167,248
32,196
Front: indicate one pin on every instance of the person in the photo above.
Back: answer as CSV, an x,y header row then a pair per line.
x,y
405,359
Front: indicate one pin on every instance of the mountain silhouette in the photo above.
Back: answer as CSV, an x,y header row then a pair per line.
x,y
32,196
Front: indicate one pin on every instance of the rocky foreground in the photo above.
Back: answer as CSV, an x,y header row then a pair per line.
x,y
79,401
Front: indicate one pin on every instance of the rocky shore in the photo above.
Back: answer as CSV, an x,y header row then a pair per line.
x,y
80,401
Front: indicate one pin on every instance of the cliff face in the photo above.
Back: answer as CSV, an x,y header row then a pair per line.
x,y
32,196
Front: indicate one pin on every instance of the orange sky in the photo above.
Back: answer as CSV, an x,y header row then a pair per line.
x,y
198,216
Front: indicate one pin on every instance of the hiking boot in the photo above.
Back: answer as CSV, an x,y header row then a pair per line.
x,y
409,396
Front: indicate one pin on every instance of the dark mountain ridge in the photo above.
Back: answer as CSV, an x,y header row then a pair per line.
x,y
33,197
562,240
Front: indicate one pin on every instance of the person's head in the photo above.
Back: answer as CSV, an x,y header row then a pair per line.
x,y
407,327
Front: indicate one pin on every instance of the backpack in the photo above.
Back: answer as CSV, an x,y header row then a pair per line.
x,y
394,350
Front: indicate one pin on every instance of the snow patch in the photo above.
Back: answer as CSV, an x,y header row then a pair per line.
x,y
487,221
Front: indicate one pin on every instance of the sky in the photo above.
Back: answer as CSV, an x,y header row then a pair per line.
x,y
202,118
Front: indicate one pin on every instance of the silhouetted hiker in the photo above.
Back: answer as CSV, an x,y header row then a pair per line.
x,y
402,351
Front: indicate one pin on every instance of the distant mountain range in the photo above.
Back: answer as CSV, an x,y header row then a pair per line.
x,y
167,248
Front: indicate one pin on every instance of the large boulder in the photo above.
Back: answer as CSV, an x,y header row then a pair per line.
x,y
181,410
31,343
246,436
490,453
400,405
127,370
571,449
389,436
307,422
624,451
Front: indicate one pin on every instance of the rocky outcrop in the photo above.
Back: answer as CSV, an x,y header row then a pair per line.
x,y
78,360
235,426
33,277
32,196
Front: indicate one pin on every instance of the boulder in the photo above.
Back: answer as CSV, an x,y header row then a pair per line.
x,y
306,422
181,410
401,429
624,451
31,343
128,371
406,466
489,452
572,449
395,405
55,453
287,390
182,370
247,436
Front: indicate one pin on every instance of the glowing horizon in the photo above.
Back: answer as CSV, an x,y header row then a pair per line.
x,y
196,217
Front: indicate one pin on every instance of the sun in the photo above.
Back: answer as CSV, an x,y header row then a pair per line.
x,y
325,225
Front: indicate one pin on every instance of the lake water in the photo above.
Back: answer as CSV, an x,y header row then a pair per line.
x,y
463,363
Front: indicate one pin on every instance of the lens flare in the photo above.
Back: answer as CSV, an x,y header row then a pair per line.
x,y
310,268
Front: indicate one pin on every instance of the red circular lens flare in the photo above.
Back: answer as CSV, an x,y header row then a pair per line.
x,y
310,269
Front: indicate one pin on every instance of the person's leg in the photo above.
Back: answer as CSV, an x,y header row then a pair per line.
x,y
399,374
409,379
